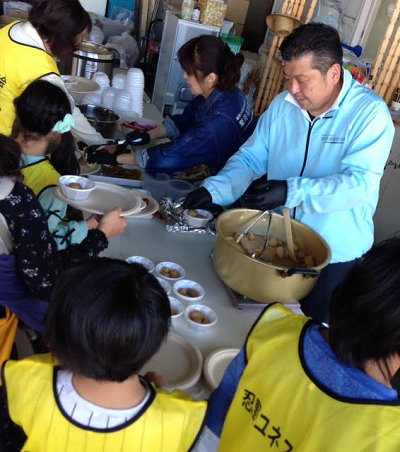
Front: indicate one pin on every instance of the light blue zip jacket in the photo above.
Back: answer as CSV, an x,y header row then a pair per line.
x,y
333,164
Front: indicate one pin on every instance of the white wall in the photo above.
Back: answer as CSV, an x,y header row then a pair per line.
x,y
95,6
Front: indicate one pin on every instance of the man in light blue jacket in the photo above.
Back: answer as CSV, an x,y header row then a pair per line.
x,y
320,149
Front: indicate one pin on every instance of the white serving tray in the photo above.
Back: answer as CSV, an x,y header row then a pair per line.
x,y
118,180
216,364
148,211
104,198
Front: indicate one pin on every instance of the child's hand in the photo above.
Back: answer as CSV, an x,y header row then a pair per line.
x,y
157,379
112,223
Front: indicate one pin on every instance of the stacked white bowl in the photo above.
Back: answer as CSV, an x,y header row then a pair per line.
x,y
92,99
122,103
118,81
102,79
135,85
108,96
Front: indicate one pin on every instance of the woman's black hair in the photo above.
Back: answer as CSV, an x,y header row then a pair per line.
x,y
106,319
38,109
365,309
316,39
59,22
206,54
10,158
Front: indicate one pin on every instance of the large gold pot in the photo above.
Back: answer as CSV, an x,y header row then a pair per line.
x,y
256,279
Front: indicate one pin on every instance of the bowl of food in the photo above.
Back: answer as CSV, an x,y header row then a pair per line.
x,y
200,317
170,271
147,263
76,188
197,218
164,284
177,307
188,290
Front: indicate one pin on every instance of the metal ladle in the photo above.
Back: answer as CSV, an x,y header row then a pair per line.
x,y
255,255
252,224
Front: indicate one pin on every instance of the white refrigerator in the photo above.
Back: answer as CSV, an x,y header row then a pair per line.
x,y
171,92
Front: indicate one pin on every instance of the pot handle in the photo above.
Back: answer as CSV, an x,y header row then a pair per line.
x,y
309,272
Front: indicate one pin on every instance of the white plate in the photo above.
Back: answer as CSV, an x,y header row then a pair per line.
x,y
80,85
104,198
179,361
216,364
85,170
125,182
151,207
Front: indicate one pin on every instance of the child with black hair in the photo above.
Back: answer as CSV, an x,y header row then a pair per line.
x,y
106,320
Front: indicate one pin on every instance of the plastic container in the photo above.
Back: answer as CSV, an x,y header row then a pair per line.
x,y
234,42
188,284
177,308
156,185
196,222
200,311
76,194
179,188
147,263
160,271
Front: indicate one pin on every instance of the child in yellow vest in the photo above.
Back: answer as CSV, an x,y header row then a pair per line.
x,y
299,386
106,319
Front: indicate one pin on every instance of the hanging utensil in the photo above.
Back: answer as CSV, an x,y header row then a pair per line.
x,y
248,229
289,235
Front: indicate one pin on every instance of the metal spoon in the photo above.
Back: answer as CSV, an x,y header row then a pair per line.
x,y
255,255
248,229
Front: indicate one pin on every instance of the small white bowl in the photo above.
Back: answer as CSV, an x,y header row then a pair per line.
x,y
176,306
187,284
207,312
76,194
170,266
147,263
195,222
165,285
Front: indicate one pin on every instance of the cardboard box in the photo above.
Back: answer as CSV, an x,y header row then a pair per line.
x,y
19,13
5,20
237,11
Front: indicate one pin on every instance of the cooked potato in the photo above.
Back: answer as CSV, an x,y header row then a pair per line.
x,y
197,316
76,185
192,293
183,291
174,274
174,312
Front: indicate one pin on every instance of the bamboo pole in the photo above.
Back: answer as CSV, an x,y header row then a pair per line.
x,y
394,84
311,11
389,66
271,77
384,45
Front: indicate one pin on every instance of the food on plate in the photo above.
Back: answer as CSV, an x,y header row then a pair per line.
x,y
119,171
170,273
194,213
174,312
199,317
188,292
76,185
276,253
85,166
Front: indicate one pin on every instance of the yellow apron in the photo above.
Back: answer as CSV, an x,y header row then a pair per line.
x,y
20,65
40,175
168,423
278,407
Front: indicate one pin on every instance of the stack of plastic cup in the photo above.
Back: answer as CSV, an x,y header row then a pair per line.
x,y
118,81
108,96
122,103
102,79
92,99
135,85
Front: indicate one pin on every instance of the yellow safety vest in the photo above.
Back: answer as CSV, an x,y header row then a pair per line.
x,y
279,407
20,65
168,423
40,175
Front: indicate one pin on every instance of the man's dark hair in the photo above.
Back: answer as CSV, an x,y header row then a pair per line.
x,y
206,54
10,158
316,39
365,309
59,22
106,319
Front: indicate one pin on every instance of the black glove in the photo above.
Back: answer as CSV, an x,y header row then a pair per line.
x,y
137,138
96,155
264,194
198,199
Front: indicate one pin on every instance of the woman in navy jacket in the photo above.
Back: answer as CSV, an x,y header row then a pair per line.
x,y
213,125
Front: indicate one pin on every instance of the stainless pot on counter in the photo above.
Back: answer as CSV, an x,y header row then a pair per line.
x,y
103,120
261,281
90,58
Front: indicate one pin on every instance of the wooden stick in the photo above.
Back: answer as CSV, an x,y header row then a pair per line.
x,y
311,11
289,235
391,62
395,82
